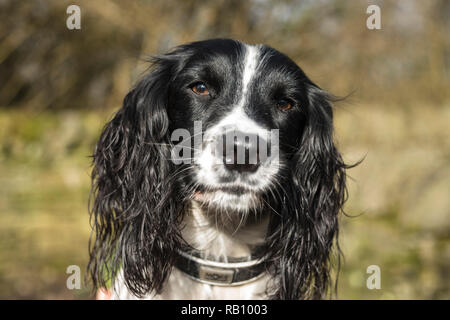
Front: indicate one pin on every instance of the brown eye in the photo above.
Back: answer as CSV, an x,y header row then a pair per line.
x,y
284,105
200,89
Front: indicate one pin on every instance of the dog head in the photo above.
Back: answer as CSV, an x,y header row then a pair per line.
x,y
235,128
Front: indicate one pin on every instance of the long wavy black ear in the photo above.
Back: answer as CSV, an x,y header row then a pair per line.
x,y
309,215
133,204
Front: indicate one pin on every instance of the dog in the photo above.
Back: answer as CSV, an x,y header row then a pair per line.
x,y
212,224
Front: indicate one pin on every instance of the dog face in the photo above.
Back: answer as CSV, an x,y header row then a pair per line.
x,y
247,98
281,159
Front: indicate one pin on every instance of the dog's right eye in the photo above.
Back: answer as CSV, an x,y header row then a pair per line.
x,y
200,88
284,104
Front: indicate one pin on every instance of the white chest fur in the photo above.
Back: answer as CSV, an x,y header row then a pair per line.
x,y
179,286
219,237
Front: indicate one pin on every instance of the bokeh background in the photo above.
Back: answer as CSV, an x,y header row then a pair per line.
x,y
58,88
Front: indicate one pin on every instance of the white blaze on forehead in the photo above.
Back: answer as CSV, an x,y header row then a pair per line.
x,y
237,119
250,66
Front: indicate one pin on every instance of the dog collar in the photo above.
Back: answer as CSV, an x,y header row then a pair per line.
x,y
236,271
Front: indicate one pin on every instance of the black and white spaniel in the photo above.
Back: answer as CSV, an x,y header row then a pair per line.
x,y
218,179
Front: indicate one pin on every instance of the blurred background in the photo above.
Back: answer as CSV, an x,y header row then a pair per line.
x,y
58,87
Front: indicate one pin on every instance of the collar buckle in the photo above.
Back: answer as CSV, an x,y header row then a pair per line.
x,y
219,275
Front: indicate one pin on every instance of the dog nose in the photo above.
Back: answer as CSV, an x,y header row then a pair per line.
x,y
241,152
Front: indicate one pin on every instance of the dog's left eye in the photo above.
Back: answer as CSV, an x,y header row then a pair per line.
x,y
200,88
284,104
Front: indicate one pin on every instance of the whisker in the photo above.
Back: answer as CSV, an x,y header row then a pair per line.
x,y
272,208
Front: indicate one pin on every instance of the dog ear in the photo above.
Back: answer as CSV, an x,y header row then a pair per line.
x,y
133,207
309,214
